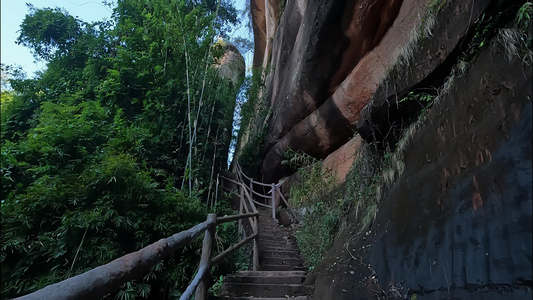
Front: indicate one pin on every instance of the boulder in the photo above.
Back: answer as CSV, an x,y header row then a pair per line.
x,y
232,65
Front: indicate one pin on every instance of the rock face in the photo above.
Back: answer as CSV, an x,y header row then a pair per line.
x,y
320,121
341,160
318,44
463,207
457,221
264,24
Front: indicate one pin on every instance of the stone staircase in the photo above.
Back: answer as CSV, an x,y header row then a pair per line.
x,y
282,272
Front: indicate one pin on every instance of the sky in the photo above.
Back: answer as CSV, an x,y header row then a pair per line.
x,y
13,12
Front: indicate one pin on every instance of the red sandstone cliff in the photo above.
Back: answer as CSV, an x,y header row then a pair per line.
x,y
339,67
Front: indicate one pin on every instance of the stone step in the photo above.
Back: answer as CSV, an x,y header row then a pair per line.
x,y
276,235
280,253
274,246
265,290
274,232
280,237
277,248
254,298
282,261
273,273
268,222
277,241
264,277
266,267
266,215
282,245
268,226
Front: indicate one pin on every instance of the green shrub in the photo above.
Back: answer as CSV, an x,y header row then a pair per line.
x,y
320,200
317,232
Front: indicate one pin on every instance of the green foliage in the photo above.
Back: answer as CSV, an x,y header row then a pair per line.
x,y
436,6
318,231
254,113
420,97
49,32
96,148
362,183
297,159
316,186
524,16
248,157
318,196
244,45
323,202
518,41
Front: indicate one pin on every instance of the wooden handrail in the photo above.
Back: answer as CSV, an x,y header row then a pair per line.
x,y
225,219
230,180
239,171
289,207
205,260
226,252
252,221
261,195
291,210
107,278
252,205
260,204
246,187
194,283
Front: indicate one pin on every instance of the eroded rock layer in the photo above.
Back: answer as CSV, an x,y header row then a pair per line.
x,y
330,125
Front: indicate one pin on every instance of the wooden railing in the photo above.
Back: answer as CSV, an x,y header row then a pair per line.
x,y
274,193
107,278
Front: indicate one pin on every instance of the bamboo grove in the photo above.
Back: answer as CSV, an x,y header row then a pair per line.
x,y
114,145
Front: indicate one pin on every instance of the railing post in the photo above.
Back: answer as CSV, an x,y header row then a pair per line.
x,y
205,260
255,253
251,188
273,201
241,207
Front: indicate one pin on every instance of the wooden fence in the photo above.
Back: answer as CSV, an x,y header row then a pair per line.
x,y
107,278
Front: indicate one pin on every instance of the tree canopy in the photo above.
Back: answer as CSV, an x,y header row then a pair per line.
x,y
114,145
